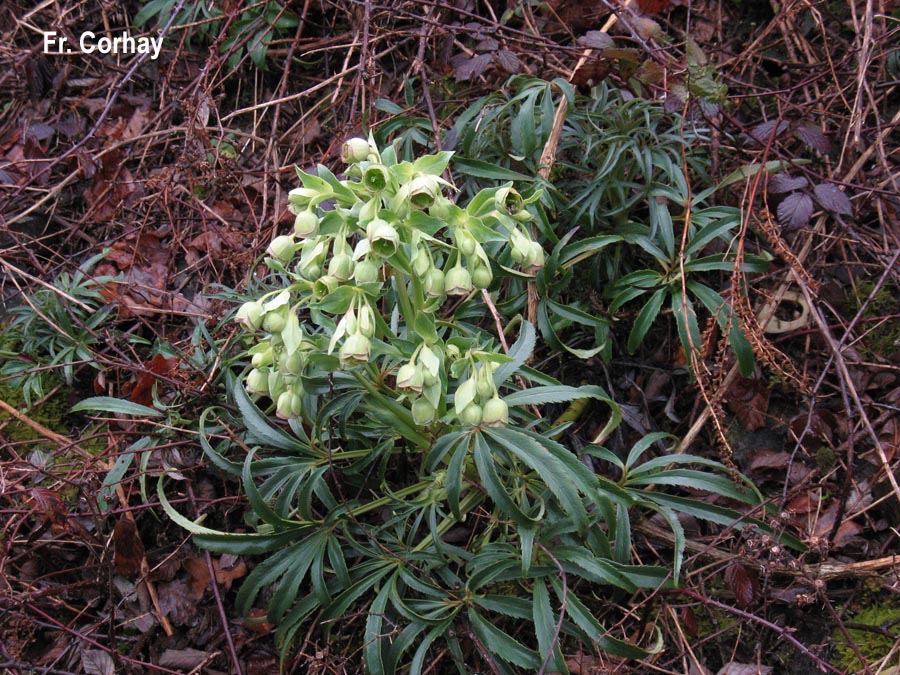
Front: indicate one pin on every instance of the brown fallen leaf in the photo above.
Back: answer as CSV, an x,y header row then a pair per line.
x,y
256,622
142,385
97,662
54,511
200,577
743,583
748,399
185,659
129,549
111,187
177,602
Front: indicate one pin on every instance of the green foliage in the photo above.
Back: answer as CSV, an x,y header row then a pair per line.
x,y
874,642
618,209
412,480
56,329
250,31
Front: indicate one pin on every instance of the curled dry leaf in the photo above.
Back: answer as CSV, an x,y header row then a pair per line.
x,y
748,399
51,507
111,187
743,583
129,549
227,572
847,530
142,383
762,132
768,463
470,67
177,601
97,662
185,659
596,39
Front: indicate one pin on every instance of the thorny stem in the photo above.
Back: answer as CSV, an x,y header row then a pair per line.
x,y
781,631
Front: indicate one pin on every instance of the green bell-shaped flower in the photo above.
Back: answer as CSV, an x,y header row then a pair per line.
x,y
376,178
495,413
325,285
341,267
434,283
289,405
355,150
411,377
482,276
534,259
257,381
282,248
423,191
465,241
458,281
366,320
366,271
356,350
250,315
472,414
276,319
422,411
306,224
383,237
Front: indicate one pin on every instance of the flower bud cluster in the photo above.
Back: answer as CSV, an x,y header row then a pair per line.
x,y
420,382
386,237
477,401
277,359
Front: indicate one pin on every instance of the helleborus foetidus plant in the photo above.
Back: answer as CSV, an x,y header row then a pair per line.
x,y
411,479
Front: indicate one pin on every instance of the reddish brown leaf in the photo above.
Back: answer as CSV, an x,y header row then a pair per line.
x,y
177,601
795,211
52,508
111,186
689,622
814,429
762,132
129,549
735,668
184,659
654,6
596,39
748,399
813,138
470,67
593,71
256,621
145,262
832,199
142,392
781,183
97,662
848,529
225,574
508,61
743,583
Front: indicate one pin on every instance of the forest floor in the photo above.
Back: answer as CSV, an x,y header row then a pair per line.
x,y
179,167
